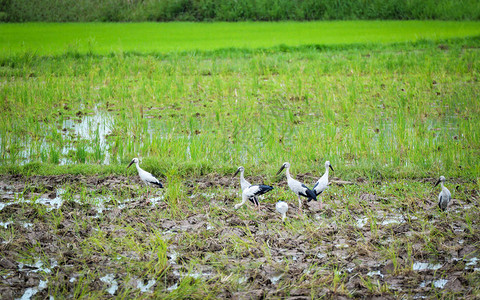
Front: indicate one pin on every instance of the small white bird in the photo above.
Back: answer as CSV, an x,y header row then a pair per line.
x,y
282,208
322,183
297,187
146,177
250,192
444,196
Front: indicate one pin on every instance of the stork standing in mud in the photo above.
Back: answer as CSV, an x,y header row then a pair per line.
x,y
444,196
146,177
250,192
297,187
322,183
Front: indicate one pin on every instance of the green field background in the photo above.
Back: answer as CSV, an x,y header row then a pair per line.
x,y
378,99
104,38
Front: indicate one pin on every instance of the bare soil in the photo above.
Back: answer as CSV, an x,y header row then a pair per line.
x,y
365,243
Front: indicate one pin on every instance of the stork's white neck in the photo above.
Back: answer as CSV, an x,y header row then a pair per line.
x,y
287,171
241,176
138,167
243,182
326,171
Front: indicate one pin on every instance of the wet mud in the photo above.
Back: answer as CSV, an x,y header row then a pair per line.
x,y
102,237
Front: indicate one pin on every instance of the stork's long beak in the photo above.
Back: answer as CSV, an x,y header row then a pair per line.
x,y
438,181
331,168
281,169
238,171
130,164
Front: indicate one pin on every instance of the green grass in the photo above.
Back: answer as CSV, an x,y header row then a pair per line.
x,y
374,109
105,38
398,111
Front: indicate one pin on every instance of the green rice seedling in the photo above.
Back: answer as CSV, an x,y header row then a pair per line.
x,y
57,218
81,152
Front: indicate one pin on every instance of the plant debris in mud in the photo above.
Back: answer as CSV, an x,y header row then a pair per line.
x,y
103,239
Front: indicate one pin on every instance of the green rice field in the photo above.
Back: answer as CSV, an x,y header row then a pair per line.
x,y
105,38
392,105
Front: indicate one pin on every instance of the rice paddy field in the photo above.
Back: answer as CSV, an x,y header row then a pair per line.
x,y
392,106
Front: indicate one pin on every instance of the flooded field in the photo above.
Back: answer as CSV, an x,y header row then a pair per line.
x,y
378,111
73,236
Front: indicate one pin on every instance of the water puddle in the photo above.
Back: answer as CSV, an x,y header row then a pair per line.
x,y
146,288
471,263
342,245
110,280
5,224
275,278
172,287
27,225
2,205
91,129
155,200
99,203
54,203
51,204
421,266
38,266
30,292
172,257
395,219
206,274
361,222
439,284
375,273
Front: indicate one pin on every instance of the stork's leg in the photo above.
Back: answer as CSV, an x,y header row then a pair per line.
x,y
257,204
244,199
299,204
321,203
148,194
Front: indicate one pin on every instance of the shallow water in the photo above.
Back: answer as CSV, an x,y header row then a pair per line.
x,y
109,279
146,288
375,273
440,283
421,266
93,129
30,292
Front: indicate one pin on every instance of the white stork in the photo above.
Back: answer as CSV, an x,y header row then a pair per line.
x,y
322,183
282,208
250,192
146,177
444,196
297,187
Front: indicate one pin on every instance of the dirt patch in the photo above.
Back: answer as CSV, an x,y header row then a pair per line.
x,y
104,237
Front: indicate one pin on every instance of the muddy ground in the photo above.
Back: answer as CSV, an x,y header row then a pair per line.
x,y
72,236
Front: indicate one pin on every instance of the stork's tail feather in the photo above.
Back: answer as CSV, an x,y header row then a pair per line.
x,y
158,184
263,189
311,195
